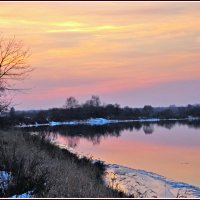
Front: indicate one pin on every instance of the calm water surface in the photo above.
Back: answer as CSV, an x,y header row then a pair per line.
x,y
171,149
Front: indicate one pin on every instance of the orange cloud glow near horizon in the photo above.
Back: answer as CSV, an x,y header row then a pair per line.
x,y
131,53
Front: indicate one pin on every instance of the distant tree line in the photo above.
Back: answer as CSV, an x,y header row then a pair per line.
x,y
94,108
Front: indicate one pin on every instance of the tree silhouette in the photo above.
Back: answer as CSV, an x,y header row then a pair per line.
x,y
13,66
94,101
71,102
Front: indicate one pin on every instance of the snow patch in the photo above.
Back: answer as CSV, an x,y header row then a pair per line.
x,y
24,195
4,175
4,179
98,121
54,123
149,120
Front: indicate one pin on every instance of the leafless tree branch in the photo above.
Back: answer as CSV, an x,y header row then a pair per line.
x,y
13,65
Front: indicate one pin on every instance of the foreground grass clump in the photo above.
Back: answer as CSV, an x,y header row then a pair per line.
x,y
43,169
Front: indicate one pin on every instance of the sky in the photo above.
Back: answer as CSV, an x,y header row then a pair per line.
x,y
130,53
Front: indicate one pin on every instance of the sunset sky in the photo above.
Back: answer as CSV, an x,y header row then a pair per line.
x,y
131,53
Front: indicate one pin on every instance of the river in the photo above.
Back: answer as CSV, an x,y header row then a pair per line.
x,y
170,149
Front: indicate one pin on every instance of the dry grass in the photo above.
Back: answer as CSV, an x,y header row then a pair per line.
x,y
47,171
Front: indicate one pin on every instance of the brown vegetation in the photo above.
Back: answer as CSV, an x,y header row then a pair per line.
x,y
36,165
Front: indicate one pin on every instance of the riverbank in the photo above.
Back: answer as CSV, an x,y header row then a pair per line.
x,y
141,183
31,165
102,121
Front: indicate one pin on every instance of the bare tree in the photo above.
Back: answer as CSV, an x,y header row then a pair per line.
x,y
71,102
13,65
94,101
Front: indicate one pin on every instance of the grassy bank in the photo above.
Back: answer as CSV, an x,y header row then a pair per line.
x,y
36,165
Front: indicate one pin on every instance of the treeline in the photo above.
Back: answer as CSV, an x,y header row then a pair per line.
x,y
94,108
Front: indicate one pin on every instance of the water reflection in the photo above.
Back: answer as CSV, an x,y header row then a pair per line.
x,y
148,128
71,134
169,148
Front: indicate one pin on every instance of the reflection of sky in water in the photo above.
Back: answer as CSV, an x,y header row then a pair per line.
x,y
173,152
178,136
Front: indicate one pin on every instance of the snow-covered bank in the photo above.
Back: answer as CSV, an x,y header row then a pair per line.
x,y
145,184
141,183
92,121
101,121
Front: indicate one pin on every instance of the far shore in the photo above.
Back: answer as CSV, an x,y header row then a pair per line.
x,y
103,121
